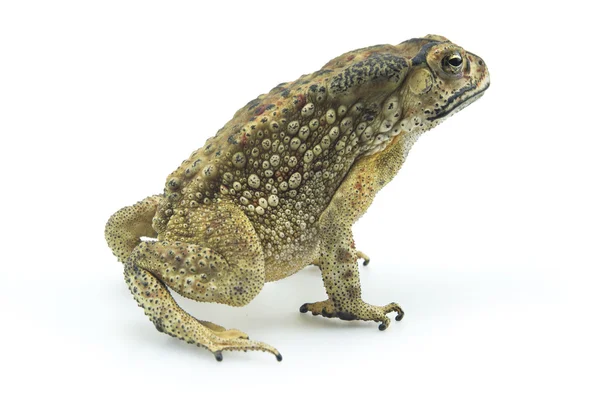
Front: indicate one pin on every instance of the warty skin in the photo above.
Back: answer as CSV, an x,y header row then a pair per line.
x,y
281,184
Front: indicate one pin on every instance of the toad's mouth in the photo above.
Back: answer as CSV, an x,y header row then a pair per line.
x,y
461,99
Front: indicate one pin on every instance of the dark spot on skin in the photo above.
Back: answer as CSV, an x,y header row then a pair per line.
x,y
369,117
421,57
327,314
285,93
378,67
253,104
322,72
159,325
232,140
259,110
299,101
346,316
343,255
354,292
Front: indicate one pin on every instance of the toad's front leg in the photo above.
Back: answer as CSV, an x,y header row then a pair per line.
x,y
342,283
337,253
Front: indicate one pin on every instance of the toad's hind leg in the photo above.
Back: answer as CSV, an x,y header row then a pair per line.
x,y
153,296
225,267
125,227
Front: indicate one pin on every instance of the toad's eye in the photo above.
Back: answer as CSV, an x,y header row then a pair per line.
x,y
452,63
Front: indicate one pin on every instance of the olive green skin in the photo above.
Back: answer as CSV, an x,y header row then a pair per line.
x,y
281,184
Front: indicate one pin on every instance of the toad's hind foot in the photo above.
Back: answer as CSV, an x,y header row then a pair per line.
x,y
158,304
217,347
224,333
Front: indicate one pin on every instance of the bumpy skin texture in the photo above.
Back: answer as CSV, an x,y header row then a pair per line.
x,y
280,186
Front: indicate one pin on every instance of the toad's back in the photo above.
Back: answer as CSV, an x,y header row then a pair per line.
x,y
282,157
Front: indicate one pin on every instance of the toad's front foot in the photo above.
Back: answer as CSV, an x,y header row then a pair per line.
x,y
358,310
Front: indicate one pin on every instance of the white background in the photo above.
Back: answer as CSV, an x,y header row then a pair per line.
x,y
488,237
